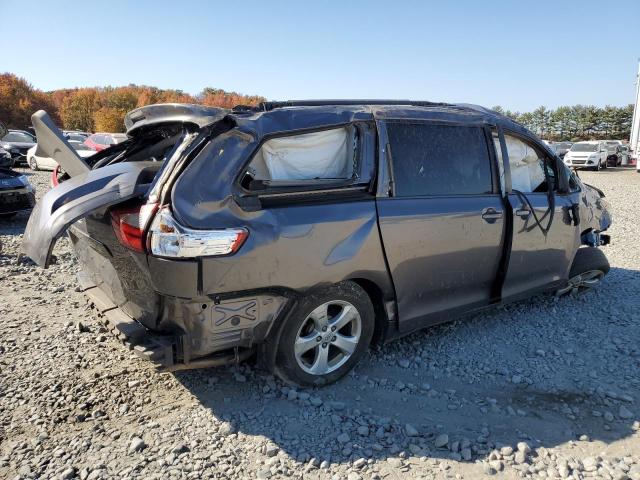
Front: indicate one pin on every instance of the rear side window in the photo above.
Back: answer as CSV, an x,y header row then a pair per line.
x,y
439,160
301,159
324,155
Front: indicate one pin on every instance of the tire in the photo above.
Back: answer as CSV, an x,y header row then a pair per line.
x,y
589,267
598,166
304,365
33,164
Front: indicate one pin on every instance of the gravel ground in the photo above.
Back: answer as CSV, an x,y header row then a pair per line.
x,y
547,388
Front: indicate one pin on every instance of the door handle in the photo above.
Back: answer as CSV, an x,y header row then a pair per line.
x,y
490,215
523,213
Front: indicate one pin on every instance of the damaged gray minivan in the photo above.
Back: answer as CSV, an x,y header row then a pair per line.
x,y
304,231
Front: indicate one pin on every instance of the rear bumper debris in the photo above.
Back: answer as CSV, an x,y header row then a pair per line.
x,y
173,351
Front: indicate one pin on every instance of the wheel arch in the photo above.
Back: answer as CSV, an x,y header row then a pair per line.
x,y
376,295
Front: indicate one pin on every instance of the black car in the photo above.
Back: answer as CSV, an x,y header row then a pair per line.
x,y
303,231
16,193
17,143
5,159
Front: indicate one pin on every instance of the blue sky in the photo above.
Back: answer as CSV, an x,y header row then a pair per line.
x,y
513,53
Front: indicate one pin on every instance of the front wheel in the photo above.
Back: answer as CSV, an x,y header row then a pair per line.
x,y
324,336
589,267
33,164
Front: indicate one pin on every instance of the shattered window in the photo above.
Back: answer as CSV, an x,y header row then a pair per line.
x,y
439,160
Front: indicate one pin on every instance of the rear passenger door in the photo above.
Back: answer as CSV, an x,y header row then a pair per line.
x,y
442,219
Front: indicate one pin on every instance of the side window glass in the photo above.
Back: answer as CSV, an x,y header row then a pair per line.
x,y
439,160
531,170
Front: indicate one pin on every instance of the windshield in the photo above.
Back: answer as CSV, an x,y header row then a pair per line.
x,y
18,137
584,147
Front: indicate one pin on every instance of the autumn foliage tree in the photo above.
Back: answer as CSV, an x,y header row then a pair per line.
x,y
98,108
78,108
18,100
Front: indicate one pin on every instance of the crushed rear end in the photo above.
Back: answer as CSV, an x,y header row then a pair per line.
x,y
106,204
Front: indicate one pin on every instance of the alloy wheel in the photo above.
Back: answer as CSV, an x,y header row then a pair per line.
x,y
582,282
328,337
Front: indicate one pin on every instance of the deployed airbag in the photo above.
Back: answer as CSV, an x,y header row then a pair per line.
x,y
526,167
308,156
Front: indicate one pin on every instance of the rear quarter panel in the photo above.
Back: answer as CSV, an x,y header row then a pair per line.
x,y
300,247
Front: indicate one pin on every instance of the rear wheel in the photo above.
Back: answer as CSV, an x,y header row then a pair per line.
x,y
33,164
589,267
324,336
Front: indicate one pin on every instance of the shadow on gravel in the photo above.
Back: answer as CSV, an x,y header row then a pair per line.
x,y
484,382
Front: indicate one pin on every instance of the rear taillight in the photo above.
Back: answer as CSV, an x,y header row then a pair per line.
x,y
129,224
166,238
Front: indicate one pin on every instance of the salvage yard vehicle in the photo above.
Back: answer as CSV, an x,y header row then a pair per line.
x,y
591,154
17,143
5,159
304,231
16,193
36,162
562,148
100,141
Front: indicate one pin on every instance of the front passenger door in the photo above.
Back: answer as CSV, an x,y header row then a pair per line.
x,y
539,258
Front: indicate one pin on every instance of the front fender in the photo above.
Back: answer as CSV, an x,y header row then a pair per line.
x,y
594,209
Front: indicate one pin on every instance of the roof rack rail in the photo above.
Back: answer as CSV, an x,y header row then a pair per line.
x,y
266,106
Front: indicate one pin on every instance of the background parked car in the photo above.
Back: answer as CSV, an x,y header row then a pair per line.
x,y
47,163
76,135
100,141
625,155
562,148
16,193
5,159
587,155
613,152
17,143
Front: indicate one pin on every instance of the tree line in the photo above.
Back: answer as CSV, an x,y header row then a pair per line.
x,y
97,109
103,109
577,122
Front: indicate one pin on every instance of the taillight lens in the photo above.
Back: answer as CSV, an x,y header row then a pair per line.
x,y
129,225
166,238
